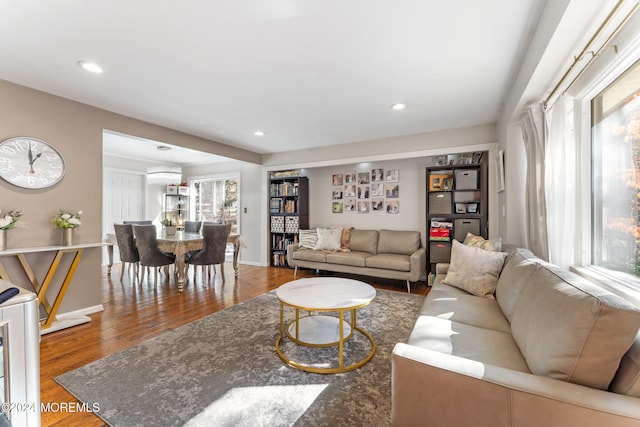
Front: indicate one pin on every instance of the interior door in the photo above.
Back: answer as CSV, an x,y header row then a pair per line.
x,y
123,199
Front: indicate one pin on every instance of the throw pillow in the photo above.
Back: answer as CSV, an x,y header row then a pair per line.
x,y
474,270
307,239
345,239
329,239
482,243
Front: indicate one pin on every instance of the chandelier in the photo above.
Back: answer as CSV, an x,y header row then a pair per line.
x,y
164,174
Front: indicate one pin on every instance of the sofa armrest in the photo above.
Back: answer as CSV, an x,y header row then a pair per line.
x,y
290,250
418,264
436,389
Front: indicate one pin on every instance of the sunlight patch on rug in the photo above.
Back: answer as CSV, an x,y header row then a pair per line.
x,y
259,406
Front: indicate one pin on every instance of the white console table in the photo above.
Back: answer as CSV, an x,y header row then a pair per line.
x,y
50,323
20,358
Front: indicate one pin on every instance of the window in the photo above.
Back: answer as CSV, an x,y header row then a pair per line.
x,y
216,200
615,118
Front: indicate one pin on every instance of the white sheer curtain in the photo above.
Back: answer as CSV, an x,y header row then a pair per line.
x,y
560,181
536,211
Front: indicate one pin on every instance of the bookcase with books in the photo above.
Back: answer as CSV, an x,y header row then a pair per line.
x,y
456,204
288,212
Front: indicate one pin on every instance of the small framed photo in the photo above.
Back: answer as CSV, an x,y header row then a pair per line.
x,y
393,175
336,180
363,178
447,184
392,191
363,206
477,156
350,190
363,191
472,207
393,207
350,205
377,175
377,189
337,195
377,204
461,208
337,207
350,178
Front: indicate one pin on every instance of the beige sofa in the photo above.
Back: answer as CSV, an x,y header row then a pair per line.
x,y
551,349
390,254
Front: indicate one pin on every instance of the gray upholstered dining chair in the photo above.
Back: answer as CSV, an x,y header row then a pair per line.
x,y
139,222
192,226
150,254
213,249
127,248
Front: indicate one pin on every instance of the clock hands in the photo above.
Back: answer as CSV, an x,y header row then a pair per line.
x,y
32,159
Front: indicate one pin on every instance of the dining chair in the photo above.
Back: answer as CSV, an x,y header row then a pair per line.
x,y
139,222
213,250
192,226
127,248
150,254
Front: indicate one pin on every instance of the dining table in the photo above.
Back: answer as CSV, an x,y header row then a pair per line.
x,y
183,242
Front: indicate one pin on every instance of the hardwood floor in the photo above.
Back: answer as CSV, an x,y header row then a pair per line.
x,y
136,312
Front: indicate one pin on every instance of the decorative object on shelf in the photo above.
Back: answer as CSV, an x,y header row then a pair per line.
x,y
35,164
67,222
7,222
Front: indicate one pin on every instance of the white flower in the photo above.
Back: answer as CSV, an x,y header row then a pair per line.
x,y
79,213
74,221
65,216
5,221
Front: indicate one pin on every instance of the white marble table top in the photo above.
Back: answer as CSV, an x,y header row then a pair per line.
x,y
326,293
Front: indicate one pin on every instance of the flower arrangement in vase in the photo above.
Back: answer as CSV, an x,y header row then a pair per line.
x,y
67,222
7,222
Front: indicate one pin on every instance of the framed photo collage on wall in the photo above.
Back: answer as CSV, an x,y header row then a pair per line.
x,y
364,192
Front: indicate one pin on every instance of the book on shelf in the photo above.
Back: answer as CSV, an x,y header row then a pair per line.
x,y
441,231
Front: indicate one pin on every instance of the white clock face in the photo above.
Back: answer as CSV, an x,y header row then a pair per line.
x,y
30,163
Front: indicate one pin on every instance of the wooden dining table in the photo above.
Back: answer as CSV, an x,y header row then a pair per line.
x,y
182,242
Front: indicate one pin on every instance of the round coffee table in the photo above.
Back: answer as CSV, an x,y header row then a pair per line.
x,y
317,297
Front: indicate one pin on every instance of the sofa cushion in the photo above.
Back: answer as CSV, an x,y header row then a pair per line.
x,y
345,239
518,269
468,341
353,258
627,379
328,239
389,262
480,242
398,242
572,330
307,238
451,303
310,255
474,270
364,240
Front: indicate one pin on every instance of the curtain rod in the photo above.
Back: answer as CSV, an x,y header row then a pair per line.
x,y
587,49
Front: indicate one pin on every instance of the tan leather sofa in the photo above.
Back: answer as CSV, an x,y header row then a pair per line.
x,y
391,254
551,349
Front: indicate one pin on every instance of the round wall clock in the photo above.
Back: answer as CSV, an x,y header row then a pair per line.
x,y
30,163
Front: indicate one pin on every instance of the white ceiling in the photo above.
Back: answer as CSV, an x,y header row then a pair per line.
x,y
307,73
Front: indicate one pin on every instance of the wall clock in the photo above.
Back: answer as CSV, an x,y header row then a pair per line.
x,y
30,163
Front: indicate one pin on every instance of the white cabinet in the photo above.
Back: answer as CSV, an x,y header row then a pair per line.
x,y
20,353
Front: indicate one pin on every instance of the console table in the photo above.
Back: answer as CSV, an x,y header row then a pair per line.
x,y
49,323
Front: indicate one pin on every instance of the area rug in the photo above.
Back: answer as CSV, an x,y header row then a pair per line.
x,y
223,370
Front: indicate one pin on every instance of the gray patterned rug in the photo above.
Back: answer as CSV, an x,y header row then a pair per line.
x,y
223,370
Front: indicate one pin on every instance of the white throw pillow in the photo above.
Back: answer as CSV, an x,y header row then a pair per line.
x,y
474,270
307,239
329,239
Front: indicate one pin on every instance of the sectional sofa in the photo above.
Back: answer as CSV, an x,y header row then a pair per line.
x,y
543,347
391,254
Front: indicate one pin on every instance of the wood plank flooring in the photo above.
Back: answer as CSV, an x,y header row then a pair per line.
x,y
135,312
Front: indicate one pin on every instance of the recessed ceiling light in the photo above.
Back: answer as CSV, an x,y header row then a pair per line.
x,y
163,147
92,67
258,133
398,107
